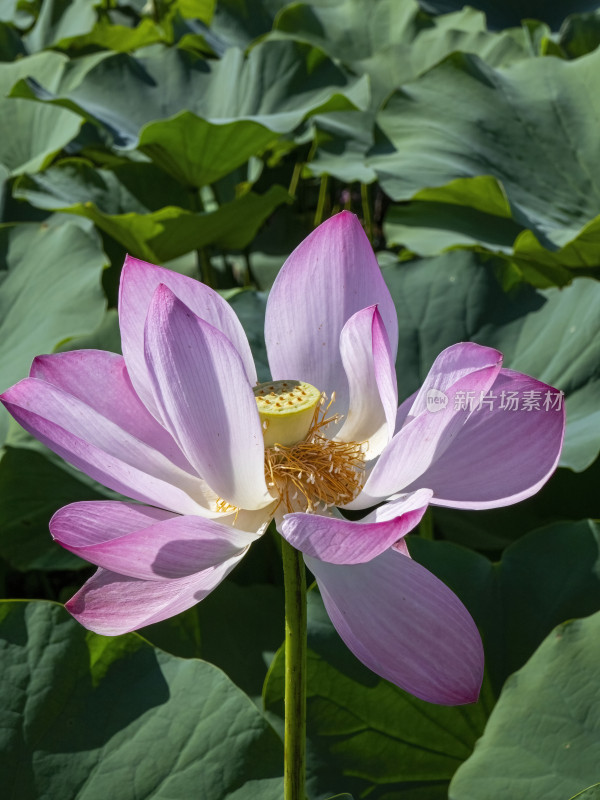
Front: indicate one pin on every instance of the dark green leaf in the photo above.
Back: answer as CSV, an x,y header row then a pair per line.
x,y
197,153
366,736
542,737
591,793
239,22
31,134
161,82
464,118
116,202
32,488
93,717
511,12
60,19
392,41
510,600
243,647
11,45
371,738
49,291
580,34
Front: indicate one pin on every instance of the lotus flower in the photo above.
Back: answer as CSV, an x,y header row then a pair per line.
x,y
179,424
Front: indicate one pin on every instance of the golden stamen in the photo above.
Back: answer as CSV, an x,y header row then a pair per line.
x,y
318,470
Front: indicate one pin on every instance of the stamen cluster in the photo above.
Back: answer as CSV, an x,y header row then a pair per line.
x,y
318,472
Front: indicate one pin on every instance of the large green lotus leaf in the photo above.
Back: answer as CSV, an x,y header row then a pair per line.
x,y
8,9
531,126
277,85
49,291
344,138
591,793
32,488
119,38
92,717
151,225
579,253
129,30
197,152
580,34
461,215
393,41
551,334
511,12
136,187
365,735
171,232
237,23
106,336
542,737
61,19
427,228
11,45
244,647
467,211
509,599
30,135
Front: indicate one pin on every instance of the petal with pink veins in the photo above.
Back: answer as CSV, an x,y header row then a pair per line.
x,y
203,395
100,448
454,363
405,625
143,542
100,380
421,441
111,604
139,281
369,367
340,541
500,457
330,276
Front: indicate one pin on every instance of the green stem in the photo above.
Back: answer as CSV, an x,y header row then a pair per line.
x,y
295,178
204,265
321,201
364,194
294,579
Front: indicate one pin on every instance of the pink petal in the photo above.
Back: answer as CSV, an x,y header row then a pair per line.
x,y
405,625
330,276
100,448
369,367
339,541
421,441
139,281
454,363
143,542
203,395
100,380
500,456
112,604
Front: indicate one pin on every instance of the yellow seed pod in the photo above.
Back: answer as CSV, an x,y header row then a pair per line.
x,y
286,410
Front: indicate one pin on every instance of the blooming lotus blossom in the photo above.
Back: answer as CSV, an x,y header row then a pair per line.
x,y
179,424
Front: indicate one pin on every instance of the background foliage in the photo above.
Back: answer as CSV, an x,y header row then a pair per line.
x,y
211,137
